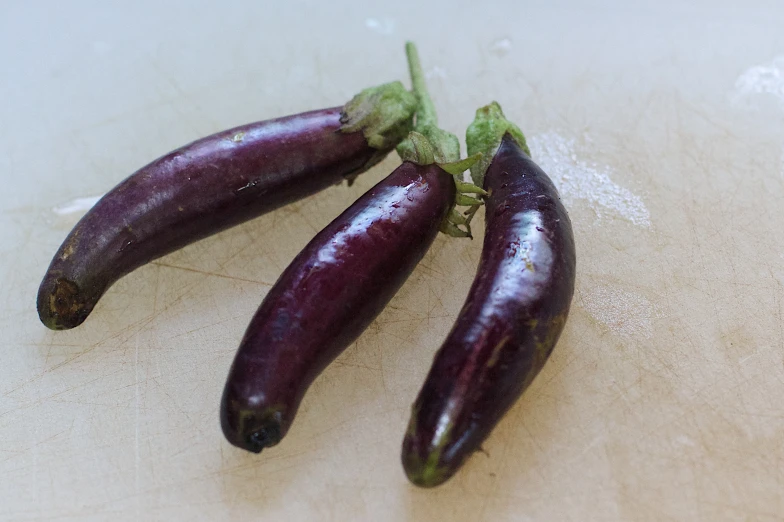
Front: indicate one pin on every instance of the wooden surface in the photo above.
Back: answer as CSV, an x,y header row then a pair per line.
x,y
663,126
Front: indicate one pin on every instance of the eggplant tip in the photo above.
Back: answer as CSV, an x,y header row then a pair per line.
x,y
425,473
266,436
60,305
248,428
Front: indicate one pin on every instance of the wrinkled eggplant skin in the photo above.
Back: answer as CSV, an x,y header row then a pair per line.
x,y
328,295
193,192
506,330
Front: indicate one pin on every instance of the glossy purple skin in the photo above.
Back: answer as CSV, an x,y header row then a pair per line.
x,y
328,295
515,311
193,192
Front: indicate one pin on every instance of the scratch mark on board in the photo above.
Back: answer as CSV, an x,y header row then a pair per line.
x,y
204,272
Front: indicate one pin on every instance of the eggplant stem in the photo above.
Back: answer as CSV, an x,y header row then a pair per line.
x,y
426,112
427,143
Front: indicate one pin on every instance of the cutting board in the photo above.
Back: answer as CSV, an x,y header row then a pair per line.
x,y
661,124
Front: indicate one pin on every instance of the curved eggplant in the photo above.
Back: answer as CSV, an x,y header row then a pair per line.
x,y
343,279
328,295
514,314
215,183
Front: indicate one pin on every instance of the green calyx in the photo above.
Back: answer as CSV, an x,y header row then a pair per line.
x,y
485,134
428,144
423,151
445,145
384,114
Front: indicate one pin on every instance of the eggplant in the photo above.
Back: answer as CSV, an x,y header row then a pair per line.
x,y
327,296
213,184
342,280
515,311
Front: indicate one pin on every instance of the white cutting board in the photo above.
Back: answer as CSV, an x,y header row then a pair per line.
x,y
663,126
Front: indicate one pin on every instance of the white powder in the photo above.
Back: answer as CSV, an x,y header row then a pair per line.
x,y
576,179
762,79
625,313
766,79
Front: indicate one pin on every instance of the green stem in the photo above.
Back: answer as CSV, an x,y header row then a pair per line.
x,y
429,144
446,146
426,111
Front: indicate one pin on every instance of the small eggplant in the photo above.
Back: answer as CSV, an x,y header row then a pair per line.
x,y
327,296
340,282
514,314
215,183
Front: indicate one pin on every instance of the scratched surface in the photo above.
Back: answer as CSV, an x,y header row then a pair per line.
x,y
663,126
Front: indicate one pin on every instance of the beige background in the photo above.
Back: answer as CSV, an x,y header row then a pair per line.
x,y
661,124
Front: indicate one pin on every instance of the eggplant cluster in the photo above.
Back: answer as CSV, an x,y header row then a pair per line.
x,y
346,275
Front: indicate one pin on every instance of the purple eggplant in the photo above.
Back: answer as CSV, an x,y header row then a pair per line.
x,y
215,183
328,295
341,281
514,314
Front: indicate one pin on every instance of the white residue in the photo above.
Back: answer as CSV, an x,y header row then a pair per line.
x,y
576,179
625,313
763,79
501,46
381,26
76,206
